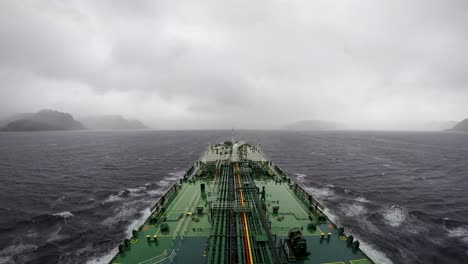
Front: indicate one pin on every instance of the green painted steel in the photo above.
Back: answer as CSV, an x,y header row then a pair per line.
x,y
178,232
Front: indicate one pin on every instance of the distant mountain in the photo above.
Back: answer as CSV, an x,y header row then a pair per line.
x,y
111,122
5,120
313,125
438,125
462,126
448,124
44,120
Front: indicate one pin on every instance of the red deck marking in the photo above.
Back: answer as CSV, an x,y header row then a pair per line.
x,y
145,228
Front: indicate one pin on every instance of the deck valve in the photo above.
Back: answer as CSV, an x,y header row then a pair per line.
x,y
275,209
340,231
356,244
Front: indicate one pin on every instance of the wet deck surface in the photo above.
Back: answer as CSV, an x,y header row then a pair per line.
x,y
187,238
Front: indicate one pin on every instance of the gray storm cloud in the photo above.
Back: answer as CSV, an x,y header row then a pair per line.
x,y
243,64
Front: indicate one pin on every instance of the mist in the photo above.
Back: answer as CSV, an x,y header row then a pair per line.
x,y
238,64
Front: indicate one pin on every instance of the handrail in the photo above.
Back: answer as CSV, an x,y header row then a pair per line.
x,y
157,258
161,259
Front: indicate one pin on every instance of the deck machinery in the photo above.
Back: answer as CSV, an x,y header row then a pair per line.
x,y
236,206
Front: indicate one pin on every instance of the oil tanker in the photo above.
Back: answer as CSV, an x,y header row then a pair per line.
x,y
234,205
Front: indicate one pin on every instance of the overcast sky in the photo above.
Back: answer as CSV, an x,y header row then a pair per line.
x,y
243,64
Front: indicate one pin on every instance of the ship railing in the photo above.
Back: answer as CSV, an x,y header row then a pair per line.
x,y
169,259
166,195
155,259
301,188
163,258
236,206
306,194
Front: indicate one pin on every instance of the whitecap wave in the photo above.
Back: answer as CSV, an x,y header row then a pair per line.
x,y
138,222
64,215
163,183
370,226
114,197
135,190
331,216
128,212
172,176
105,259
353,209
374,254
395,215
14,250
459,232
125,213
6,260
54,236
155,193
31,234
361,199
300,177
321,193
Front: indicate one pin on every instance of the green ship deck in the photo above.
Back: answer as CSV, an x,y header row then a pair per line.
x,y
236,206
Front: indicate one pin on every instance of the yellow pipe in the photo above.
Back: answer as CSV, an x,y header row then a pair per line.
x,y
248,240
245,217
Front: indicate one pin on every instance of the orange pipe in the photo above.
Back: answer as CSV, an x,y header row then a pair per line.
x,y
244,221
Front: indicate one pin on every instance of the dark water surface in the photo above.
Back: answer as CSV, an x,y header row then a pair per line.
x,y
71,197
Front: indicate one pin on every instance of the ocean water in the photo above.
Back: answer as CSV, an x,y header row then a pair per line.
x,y
71,197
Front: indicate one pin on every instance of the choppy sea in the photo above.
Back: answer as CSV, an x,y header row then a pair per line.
x,y
71,197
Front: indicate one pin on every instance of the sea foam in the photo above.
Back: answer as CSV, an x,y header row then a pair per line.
x,y
354,209
395,215
460,233
64,215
